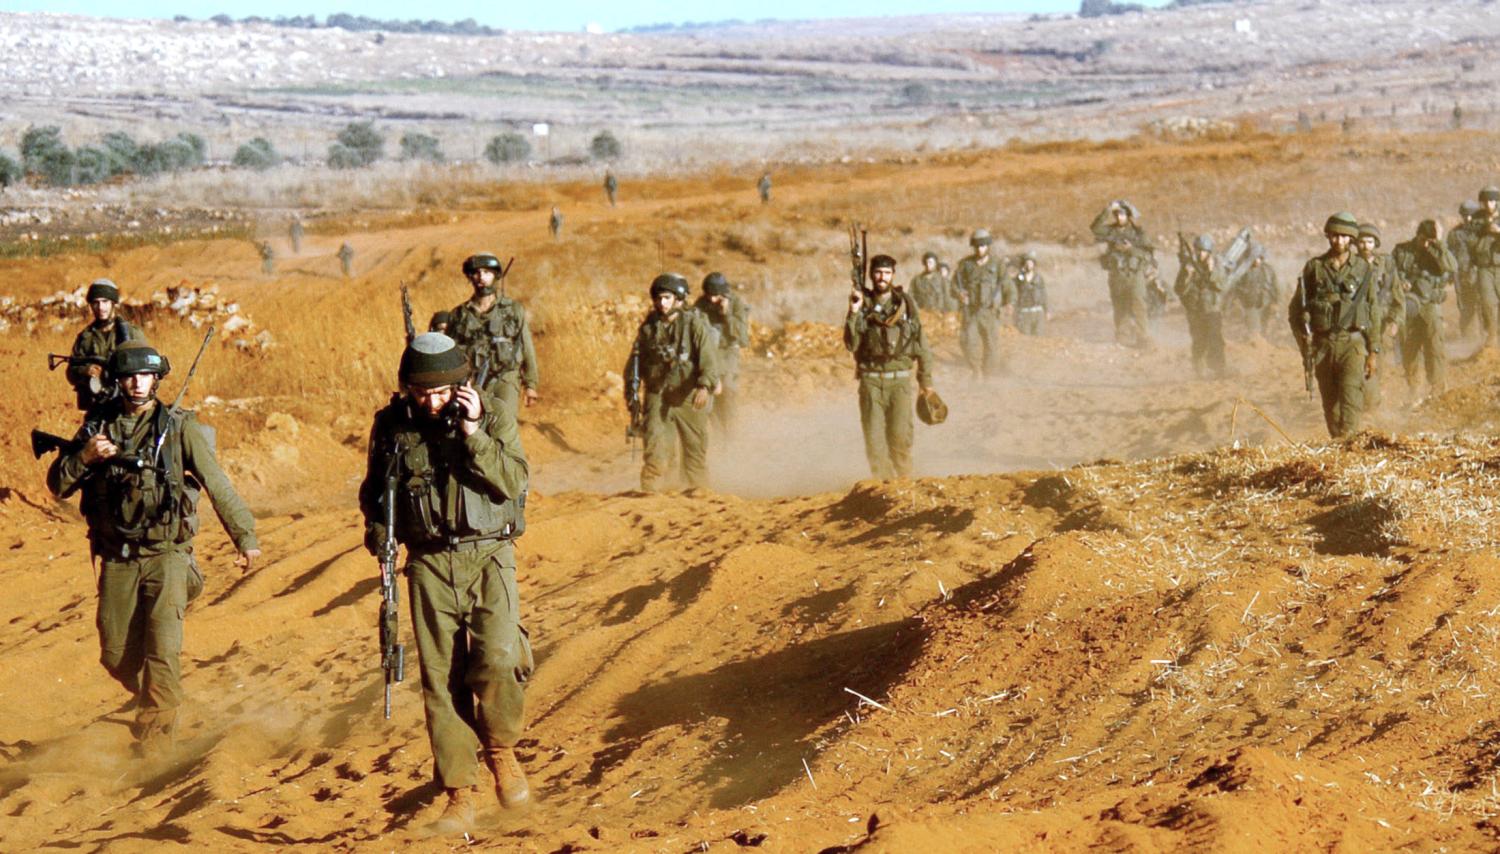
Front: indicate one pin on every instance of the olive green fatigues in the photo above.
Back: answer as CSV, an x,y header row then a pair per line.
x,y
885,335
1338,305
1427,270
731,328
1031,302
1390,310
1458,241
1130,272
1259,296
983,292
1484,254
1203,292
346,259
500,337
94,343
673,357
141,526
460,502
930,290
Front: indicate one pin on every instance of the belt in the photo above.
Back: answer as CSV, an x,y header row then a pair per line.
x,y
886,375
1030,308
460,544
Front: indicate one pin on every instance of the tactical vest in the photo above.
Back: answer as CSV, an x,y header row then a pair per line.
x,y
1338,300
667,360
133,507
497,334
438,502
880,343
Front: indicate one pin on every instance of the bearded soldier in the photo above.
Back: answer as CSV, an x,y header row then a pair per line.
x,y
729,316
92,347
1427,267
1202,290
459,480
983,293
670,379
1332,315
494,330
884,332
1390,301
1130,259
141,468
1031,296
928,287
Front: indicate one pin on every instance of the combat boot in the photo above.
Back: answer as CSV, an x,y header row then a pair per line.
x,y
458,815
510,781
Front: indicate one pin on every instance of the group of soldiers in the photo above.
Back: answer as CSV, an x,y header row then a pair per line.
x,y
295,233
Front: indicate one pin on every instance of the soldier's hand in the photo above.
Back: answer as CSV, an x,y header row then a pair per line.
x,y
719,388
1372,362
855,299
246,561
471,406
95,371
532,397
700,398
98,448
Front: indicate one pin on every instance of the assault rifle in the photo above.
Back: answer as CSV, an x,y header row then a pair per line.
x,y
633,401
859,246
411,329
1305,341
43,443
392,654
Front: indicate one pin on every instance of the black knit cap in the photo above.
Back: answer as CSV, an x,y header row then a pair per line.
x,y
103,289
882,262
715,285
431,360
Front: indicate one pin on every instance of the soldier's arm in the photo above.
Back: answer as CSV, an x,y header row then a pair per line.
x,y
1100,226
924,359
373,486
198,458
495,455
1296,308
632,372
530,376
739,323
79,374
854,328
707,375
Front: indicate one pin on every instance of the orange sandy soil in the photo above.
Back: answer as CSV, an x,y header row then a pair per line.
x,y
1118,610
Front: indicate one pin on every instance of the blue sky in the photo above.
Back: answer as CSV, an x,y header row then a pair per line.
x,y
569,15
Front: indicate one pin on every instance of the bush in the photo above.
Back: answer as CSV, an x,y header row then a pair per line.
x,y
184,151
10,171
123,151
258,154
43,153
916,94
358,145
420,146
507,148
91,166
604,146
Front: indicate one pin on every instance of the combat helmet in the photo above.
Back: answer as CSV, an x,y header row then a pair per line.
x,y
1468,208
482,261
930,408
137,357
981,237
1370,229
715,285
1204,243
1342,223
102,289
1490,194
670,283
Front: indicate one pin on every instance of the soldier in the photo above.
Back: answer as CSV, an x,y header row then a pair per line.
x,y
983,292
555,223
675,357
1258,293
460,486
440,321
883,330
1332,315
267,257
141,467
1390,302
950,287
1129,257
730,318
91,349
928,287
296,233
1202,289
1484,254
764,186
1031,296
1427,267
346,259
611,186
1463,287
494,330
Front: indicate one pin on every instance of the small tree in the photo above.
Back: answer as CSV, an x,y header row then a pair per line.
x,y
604,146
358,144
122,150
91,165
258,154
43,153
10,171
420,146
508,147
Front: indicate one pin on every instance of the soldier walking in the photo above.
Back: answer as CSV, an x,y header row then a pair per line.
x,y
346,259
1427,267
764,187
611,186
1390,302
495,332
1258,294
928,287
983,294
267,257
296,235
1484,254
1464,288
1332,315
670,378
883,329
555,223
1201,287
1031,296
729,316
1129,257
459,480
95,343
140,468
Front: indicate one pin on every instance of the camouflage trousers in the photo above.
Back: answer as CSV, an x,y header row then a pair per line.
x,y
727,402
142,601
1339,366
885,414
979,338
1029,321
1466,294
1127,297
1487,286
1206,329
506,390
676,435
1422,346
474,654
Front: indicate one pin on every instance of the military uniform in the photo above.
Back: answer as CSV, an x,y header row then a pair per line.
x,y
885,336
1130,273
141,522
1484,254
1203,292
1390,310
346,259
296,234
460,503
731,334
1258,295
1340,307
94,344
764,187
1427,274
267,258
501,335
611,187
984,291
1031,302
673,357
1458,242
930,290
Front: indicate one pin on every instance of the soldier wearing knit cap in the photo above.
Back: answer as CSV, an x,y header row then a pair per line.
x,y
461,481
1332,315
96,341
